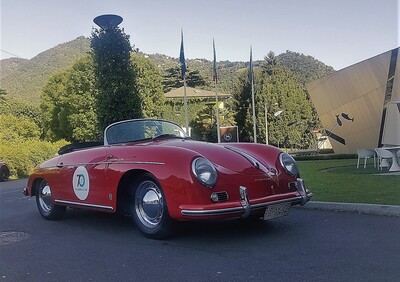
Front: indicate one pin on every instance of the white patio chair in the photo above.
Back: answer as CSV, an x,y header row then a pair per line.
x,y
365,154
383,157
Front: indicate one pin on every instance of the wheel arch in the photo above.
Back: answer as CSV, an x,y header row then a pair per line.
x,y
125,190
35,185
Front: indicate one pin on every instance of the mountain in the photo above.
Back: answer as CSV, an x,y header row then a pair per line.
x,y
23,79
305,67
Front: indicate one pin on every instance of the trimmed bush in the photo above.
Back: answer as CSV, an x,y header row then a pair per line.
x,y
23,156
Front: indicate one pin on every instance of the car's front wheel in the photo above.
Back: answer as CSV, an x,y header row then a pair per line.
x,y
44,202
150,211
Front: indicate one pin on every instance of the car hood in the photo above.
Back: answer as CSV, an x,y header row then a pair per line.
x,y
224,156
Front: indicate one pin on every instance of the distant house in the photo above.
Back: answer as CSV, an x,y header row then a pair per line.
x,y
359,106
197,101
195,93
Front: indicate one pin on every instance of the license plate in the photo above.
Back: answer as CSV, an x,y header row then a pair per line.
x,y
276,211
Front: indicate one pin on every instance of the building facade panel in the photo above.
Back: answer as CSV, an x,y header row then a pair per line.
x,y
352,102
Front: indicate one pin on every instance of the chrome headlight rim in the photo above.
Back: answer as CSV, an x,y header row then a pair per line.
x,y
204,171
289,164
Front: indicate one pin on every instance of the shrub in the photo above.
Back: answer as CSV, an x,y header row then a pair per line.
x,y
23,156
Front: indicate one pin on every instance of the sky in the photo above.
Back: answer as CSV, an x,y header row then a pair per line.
x,y
337,32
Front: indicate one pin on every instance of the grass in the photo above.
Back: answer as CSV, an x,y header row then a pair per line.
x,y
341,181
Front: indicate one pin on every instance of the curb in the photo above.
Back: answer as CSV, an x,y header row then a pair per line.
x,y
385,210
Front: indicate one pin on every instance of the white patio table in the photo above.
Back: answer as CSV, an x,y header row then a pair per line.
x,y
395,163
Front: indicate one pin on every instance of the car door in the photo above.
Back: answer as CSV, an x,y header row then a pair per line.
x,y
82,179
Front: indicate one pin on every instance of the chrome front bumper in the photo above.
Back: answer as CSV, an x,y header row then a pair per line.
x,y
245,209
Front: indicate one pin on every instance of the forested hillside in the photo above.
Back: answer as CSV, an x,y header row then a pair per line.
x,y
305,67
24,79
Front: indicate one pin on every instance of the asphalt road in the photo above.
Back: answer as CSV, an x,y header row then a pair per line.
x,y
307,245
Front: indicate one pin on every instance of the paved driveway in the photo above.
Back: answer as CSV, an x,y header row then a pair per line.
x,y
308,245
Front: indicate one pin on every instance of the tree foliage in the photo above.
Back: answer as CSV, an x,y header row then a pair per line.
x,y
276,89
306,68
11,106
205,124
23,155
69,104
3,94
243,106
173,79
118,97
13,128
148,83
293,127
20,145
69,100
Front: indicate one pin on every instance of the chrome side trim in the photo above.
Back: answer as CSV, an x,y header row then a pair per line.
x,y
115,162
85,205
144,162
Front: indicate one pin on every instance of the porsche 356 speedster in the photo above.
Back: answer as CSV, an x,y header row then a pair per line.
x,y
151,170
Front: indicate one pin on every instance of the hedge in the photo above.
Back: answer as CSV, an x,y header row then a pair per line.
x,y
23,156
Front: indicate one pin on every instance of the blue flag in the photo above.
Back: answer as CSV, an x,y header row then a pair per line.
x,y
182,57
215,76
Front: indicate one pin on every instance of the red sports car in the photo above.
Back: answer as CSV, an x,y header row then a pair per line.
x,y
151,170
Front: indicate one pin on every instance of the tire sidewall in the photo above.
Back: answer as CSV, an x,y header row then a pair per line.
x,y
55,212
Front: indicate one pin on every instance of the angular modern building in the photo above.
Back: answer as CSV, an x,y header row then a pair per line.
x,y
359,106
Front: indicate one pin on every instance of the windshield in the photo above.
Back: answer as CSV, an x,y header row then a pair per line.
x,y
135,130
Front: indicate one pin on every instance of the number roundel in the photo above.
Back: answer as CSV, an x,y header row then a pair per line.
x,y
80,183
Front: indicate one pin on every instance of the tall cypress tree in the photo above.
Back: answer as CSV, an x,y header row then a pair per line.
x,y
118,97
243,105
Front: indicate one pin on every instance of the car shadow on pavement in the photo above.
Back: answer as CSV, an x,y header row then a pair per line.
x,y
215,230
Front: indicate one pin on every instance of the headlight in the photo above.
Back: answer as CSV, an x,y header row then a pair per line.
x,y
289,164
204,171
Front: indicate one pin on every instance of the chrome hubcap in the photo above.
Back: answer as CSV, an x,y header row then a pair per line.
x,y
45,198
149,204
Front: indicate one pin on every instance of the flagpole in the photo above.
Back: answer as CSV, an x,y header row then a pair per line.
x,y
217,112
215,78
252,97
183,71
266,124
186,109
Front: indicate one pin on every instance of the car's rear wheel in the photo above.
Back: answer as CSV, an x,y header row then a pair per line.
x,y
44,202
4,173
150,211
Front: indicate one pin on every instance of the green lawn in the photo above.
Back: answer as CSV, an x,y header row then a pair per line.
x,y
341,181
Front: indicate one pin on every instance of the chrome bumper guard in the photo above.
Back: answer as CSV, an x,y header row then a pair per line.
x,y
304,193
246,208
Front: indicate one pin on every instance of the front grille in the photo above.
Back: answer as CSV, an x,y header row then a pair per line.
x,y
218,197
